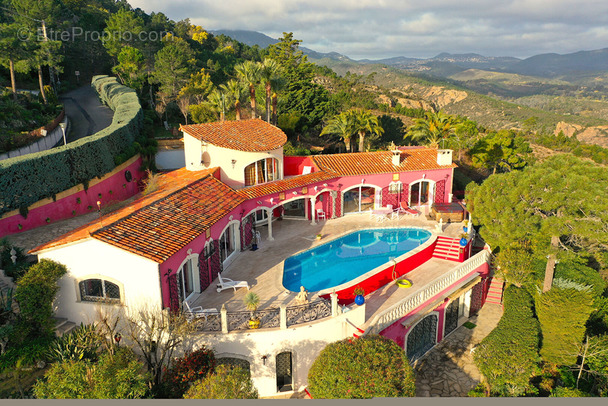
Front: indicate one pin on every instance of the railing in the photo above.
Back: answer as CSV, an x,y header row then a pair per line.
x,y
399,310
308,312
282,317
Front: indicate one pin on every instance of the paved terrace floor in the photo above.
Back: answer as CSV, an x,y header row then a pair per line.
x,y
263,269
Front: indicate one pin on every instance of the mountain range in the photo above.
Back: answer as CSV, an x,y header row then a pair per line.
x,y
549,65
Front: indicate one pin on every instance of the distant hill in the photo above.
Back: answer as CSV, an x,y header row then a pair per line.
x,y
252,38
552,65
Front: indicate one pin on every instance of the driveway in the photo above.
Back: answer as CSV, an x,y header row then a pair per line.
x,y
86,113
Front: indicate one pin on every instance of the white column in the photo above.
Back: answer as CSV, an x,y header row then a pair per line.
x,y
313,215
270,238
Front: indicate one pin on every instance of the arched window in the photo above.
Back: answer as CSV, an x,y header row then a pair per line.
x,y
262,171
99,290
232,362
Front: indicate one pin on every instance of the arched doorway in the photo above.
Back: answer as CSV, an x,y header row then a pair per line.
x,y
284,372
359,199
229,243
422,337
422,193
452,314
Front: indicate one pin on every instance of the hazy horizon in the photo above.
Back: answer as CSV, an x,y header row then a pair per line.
x,y
376,29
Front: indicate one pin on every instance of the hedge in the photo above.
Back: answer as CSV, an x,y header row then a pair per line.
x,y
563,312
508,356
26,179
362,368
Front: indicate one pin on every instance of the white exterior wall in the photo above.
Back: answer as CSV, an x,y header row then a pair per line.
x,y
193,153
304,342
223,157
137,277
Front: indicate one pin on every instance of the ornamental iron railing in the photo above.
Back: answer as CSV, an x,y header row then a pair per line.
x,y
269,318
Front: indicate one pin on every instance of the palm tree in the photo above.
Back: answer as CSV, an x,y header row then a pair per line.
x,y
364,122
249,72
269,70
234,89
217,100
433,128
341,126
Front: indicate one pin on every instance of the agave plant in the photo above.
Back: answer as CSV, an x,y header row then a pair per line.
x,y
82,343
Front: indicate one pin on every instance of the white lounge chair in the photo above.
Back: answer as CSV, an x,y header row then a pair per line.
x,y
197,311
225,283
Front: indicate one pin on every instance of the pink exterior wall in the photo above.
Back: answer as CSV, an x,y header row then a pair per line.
x,y
171,265
340,185
68,207
294,165
397,331
346,296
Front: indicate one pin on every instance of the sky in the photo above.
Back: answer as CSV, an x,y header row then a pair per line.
x,y
377,29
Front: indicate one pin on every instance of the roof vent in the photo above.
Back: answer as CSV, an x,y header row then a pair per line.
x,y
444,157
396,157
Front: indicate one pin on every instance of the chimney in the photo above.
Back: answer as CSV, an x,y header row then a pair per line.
x,y
444,157
396,157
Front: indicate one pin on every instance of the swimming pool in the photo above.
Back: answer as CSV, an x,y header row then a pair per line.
x,y
348,257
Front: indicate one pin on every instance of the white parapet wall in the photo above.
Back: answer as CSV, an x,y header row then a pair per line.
x,y
46,142
305,342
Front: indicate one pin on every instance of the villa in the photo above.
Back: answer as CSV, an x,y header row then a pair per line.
x,y
239,208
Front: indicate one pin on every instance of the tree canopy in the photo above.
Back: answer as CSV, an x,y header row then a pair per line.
x,y
362,368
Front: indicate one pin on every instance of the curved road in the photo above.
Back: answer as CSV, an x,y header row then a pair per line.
x,y
86,113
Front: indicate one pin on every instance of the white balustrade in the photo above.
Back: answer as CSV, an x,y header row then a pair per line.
x,y
398,310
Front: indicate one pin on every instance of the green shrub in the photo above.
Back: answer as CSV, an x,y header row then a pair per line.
x,y
225,383
28,352
117,376
370,366
35,293
563,312
186,370
561,392
508,356
81,343
29,178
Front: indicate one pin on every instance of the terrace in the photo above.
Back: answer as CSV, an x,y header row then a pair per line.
x,y
263,269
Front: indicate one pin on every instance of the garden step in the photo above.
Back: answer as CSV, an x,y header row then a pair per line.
x,y
64,327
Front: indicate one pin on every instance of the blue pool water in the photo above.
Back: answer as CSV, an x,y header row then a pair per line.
x,y
345,258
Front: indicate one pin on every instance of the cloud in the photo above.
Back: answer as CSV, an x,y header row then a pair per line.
x,y
384,28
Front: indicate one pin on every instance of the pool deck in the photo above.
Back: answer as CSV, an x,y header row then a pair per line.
x,y
263,269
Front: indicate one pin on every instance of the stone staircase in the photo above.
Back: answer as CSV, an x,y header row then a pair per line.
x,y
495,291
447,248
63,326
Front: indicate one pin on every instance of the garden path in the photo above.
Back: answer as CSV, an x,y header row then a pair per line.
x,y
448,369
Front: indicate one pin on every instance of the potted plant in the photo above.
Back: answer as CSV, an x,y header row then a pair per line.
x,y
463,240
359,292
319,236
252,301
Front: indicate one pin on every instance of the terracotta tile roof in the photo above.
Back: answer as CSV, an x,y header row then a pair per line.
x,y
253,135
282,185
158,225
362,163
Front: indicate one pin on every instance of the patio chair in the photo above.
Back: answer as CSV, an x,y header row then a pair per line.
x,y
197,312
404,208
225,283
321,214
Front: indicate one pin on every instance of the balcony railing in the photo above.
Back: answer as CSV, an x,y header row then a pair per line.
x,y
399,310
282,317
